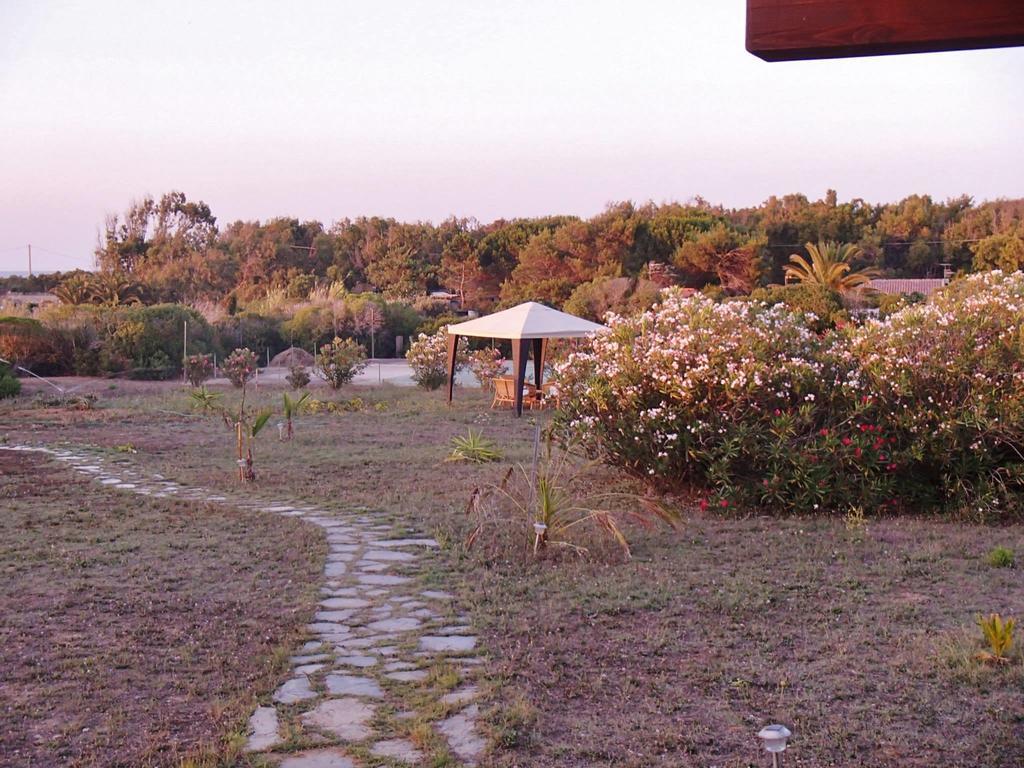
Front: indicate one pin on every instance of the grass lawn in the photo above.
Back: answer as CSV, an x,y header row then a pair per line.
x,y
858,635
138,632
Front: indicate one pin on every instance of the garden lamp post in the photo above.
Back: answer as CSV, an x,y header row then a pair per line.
x,y
774,738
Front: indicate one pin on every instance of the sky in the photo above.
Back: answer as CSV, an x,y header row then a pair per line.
x,y
425,109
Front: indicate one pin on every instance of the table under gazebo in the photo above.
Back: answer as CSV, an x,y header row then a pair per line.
x,y
528,326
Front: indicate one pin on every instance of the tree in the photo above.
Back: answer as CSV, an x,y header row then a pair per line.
x,y
460,267
1005,252
829,267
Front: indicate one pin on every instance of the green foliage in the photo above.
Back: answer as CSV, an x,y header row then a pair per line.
x,y
204,400
1002,251
240,367
473,447
820,307
998,633
340,361
9,383
1000,557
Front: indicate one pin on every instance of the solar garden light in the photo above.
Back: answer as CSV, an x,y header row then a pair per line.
x,y
280,430
774,738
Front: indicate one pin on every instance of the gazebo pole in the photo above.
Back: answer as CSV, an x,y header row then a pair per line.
x,y
538,361
520,351
453,346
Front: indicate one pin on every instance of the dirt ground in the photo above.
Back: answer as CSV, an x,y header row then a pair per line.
x,y
858,635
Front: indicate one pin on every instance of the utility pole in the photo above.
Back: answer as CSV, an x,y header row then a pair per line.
x,y
30,259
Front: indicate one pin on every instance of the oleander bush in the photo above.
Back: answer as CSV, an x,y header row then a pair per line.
x,y
240,366
340,361
428,358
750,405
198,369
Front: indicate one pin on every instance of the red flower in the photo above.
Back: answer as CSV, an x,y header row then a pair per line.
x,y
703,504
857,452
723,503
847,441
891,467
824,433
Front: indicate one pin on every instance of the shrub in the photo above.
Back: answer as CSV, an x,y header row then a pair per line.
x,y
198,369
428,358
821,308
240,367
748,404
298,377
340,361
9,384
25,341
1001,557
486,364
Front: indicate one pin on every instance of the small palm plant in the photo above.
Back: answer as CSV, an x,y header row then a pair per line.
x,y
473,447
252,429
998,634
828,265
204,400
555,498
292,407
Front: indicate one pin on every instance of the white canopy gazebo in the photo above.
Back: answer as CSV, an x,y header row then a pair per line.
x,y
527,326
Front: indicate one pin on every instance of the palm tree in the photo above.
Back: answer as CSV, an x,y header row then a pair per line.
x,y
74,291
829,267
113,289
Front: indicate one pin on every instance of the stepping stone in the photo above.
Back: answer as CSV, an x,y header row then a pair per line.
x,y
296,689
461,629
384,554
382,580
339,557
396,666
110,480
333,570
310,658
406,543
311,646
126,486
335,603
358,661
395,625
263,730
372,566
335,616
353,685
318,758
436,594
460,695
447,642
397,749
328,628
461,734
308,669
345,718
412,676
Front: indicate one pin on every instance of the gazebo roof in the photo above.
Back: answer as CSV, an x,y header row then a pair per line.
x,y
526,321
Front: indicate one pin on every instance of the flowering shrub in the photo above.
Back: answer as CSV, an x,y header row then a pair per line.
x,y
428,358
240,366
340,361
486,364
947,377
749,405
198,368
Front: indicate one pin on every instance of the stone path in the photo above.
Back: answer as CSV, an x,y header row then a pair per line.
x,y
386,676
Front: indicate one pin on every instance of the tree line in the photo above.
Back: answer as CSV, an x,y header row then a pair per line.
x,y
173,250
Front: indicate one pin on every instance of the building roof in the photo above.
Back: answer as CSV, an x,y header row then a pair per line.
x,y
924,286
527,321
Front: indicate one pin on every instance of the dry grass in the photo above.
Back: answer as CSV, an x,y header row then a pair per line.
x,y
840,629
138,632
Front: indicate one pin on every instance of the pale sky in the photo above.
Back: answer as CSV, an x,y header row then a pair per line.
x,y
423,109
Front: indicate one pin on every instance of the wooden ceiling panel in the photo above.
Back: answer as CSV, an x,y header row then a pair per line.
x,y
786,30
